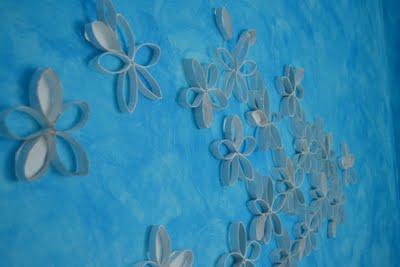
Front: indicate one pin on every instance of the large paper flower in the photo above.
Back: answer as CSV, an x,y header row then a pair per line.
x,y
290,88
266,133
133,75
160,254
243,253
289,181
202,96
233,151
287,252
265,206
237,68
39,149
346,163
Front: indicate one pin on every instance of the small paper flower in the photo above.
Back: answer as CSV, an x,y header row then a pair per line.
x,y
305,231
290,88
328,157
266,133
203,96
160,254
243,253
264,206
236,68
233,151
289,182
132,75
346,164
335,208
39,148
287,252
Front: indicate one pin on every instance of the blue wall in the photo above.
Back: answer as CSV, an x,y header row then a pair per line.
x,y
154,167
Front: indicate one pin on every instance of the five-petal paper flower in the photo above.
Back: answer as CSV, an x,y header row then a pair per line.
x,y
287,252
160,254
243,253
289,181
39,149
237,68
202,96
265,206
132,75
266,133
233,151
346,164
290,88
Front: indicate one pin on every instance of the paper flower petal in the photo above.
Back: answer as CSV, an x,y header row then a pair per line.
x,y
240,91
159,245
218,99
155,52
102,36
212,75
81,163
80,121
233,129
260,228
191,97
230,171
127,91
147,84
33,158
123,66
283,86
203,114
248,68
106,13
181,259
128,37
225,59
224,22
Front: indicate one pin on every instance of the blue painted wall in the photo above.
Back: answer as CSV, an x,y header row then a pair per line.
x,y
154,167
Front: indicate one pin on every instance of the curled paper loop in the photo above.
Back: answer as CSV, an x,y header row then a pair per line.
x,y
346,163
236,68
203,97
290,88
233,151
160,253
242,253
107,34
224,22
289,181
287,252
38,150
264,206
266,133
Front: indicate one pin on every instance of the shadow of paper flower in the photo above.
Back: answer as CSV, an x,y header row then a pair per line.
x,y
305,233
335,209
290,88
346,163
237,68
233,151
39,148
265,206
289,181
203,97
266,133
305,147
287,252
243,253
159,252
132,74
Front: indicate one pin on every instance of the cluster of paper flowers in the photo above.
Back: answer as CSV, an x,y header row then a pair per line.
x,y
282,192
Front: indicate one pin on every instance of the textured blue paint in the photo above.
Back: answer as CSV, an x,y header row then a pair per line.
x,y
154,167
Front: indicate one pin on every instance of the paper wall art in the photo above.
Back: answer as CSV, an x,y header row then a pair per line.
x,y
112,35
39,147
160,253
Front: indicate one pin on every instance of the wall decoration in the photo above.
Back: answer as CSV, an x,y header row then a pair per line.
x,y
39,148
203,96
112,34
287,253
243,252
160,254
233,151
346,164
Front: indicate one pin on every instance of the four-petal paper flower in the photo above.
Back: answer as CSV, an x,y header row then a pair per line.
x,y
290,88
160,254
289,181
202,96
243,253
346,164
237,68
265,206
39,149
287,252
133,75
305,233
233,151
267,134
